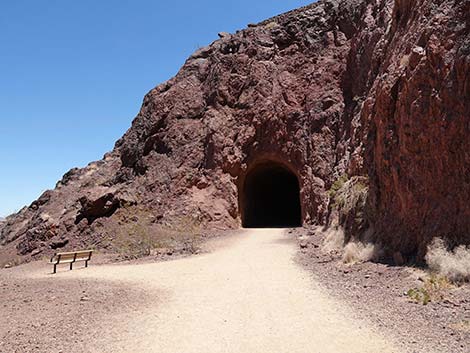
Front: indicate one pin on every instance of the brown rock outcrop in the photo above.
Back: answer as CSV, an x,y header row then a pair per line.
x,y
376,89
418,142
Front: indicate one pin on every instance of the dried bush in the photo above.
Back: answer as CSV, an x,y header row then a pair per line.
x,y
433,289
355,252
139,237
453,264
334,239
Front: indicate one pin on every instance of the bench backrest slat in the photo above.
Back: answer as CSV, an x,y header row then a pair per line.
x,y
82,255
65,257
75,252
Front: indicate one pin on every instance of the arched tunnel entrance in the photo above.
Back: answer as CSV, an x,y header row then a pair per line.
x,y
270,197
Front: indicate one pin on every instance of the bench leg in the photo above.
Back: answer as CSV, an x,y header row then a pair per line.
x,y
55,268
71,265
86,263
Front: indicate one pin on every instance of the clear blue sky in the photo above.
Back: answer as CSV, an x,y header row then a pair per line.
x,y
73,75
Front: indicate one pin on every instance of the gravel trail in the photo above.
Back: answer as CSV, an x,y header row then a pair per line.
x,y
247,295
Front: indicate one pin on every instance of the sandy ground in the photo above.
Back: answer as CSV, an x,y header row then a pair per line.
x,y
378,292
246,295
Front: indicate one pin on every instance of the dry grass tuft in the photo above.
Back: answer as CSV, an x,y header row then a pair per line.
x,y
271,25
11,261
355,252
455,265
334,240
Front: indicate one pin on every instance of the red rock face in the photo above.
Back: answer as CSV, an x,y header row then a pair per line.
x,y
269,93
371,88
418,144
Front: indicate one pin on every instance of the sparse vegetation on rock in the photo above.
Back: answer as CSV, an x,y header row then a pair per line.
x,y
433,289
332,89
453,264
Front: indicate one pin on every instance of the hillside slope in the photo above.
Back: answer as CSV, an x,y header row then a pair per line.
x,y
373,92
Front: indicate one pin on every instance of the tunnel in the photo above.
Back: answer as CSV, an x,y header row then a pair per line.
x,y
270,197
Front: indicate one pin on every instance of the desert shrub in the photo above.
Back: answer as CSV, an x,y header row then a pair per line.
x,y
433,289
333,239
337,185
351,195
356,251
183,231
352,252
271,25
348,203
419,295
134,240
455,265
11,261
138,237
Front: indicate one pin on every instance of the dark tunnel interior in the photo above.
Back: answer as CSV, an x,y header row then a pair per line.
x,y
271,197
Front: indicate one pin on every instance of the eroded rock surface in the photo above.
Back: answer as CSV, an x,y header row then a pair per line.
x,y
418,140
378,90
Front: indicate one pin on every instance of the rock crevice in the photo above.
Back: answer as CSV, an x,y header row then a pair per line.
x,y
374,89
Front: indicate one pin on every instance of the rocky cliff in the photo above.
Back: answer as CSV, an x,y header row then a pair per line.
x,y
418,146
371,93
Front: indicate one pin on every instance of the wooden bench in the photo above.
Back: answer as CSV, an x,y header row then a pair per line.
x,y
71,258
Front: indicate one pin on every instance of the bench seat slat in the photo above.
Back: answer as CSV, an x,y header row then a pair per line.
x,y
63,262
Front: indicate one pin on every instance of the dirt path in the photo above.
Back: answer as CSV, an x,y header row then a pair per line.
x,y
248,295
